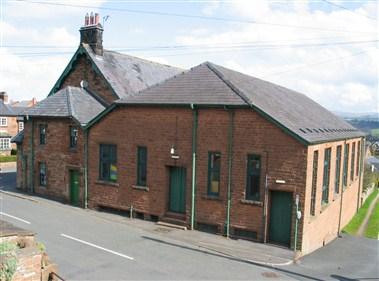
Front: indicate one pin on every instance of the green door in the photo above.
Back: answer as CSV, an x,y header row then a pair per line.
x,y
280,218
74,187
177,198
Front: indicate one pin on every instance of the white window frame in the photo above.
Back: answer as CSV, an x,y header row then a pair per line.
x,y
5,143
3,121
20,126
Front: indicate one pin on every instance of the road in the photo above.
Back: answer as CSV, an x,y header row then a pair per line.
x,y
87,245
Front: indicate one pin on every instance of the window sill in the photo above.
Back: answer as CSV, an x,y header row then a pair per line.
x,y
73,149
324,206
211,197
138,187
115,184
251,202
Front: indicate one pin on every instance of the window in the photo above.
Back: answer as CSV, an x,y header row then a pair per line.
x,y
338,170
42,134
345,164
5,144
314,182
326,176
42,174
214,164
141,166
20,126
358,157
253,177
108,168
73,137
352,162
3,121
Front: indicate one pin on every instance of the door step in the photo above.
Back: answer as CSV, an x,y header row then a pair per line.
x,y
162,223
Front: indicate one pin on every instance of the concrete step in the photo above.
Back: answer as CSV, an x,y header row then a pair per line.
x,y
162,223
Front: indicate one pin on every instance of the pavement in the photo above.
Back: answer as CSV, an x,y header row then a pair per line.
x,y
92,245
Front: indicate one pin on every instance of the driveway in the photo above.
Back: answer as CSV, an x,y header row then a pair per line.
x,y
92,245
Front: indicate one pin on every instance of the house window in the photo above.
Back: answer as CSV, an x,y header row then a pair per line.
x,y
141,165
358,157
108,160
314,182
3,121
345,164
352,162
73,137
42,174
42,134
20,126
253,177
214,164
326,176
5,144
338,170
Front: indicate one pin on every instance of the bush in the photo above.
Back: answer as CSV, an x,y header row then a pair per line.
x,y
14,151
369,177
8,259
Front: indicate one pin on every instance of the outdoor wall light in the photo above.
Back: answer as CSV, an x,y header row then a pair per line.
x,y
280,181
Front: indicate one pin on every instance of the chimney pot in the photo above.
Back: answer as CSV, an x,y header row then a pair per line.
x,y
91,19
97,18
86,20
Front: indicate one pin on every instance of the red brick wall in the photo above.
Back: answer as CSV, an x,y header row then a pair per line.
x,y
156,129
57,154
83,70
323,226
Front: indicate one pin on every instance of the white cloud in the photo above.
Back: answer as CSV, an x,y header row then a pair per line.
x,y
341,77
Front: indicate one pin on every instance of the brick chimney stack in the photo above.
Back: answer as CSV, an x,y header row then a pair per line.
x,y
4,97
92,33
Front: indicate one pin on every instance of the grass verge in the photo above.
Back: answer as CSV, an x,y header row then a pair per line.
x,y
8,158
357,220
372,229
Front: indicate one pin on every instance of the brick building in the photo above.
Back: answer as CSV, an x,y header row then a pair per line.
x,y
10,125
209,148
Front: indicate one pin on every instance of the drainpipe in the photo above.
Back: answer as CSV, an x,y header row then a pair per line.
x,y
85,169
194,147
265,202
360,173
342,189
32,160
230,170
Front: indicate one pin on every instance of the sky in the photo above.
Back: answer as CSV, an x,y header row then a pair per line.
x,y
327,50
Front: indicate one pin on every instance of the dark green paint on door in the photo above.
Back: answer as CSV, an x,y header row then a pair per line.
x,y
177,200
74,187
280,218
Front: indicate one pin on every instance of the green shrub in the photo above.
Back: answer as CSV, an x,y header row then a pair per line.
x,y
14,151
8,259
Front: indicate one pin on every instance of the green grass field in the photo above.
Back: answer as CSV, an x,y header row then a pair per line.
x,y
372,229
375,132
357,220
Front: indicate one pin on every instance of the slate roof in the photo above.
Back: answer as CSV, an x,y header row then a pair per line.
x,y
211,84
69,102
19,138
127,74
6,110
